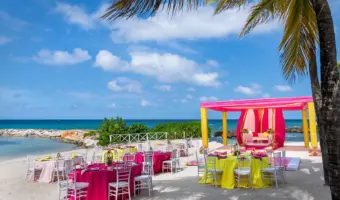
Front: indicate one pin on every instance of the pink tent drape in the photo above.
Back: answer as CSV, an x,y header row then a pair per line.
x,y
280,128
249,119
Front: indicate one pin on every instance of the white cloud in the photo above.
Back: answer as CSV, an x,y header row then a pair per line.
x,y
208,98
164,88
177,46
75,15
192,25
191,89
252,90
184,100
62,57
283,88
4,39
112,105
109,62
125,84
213,63
145,103
189,96
266,95
166,67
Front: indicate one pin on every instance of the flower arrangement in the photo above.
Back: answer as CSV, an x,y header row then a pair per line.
x,y
219,155
108,158
203,150
245,130
270,131
258,155
129,146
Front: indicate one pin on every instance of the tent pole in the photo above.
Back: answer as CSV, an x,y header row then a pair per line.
x,y
312,125
225,128
204,127
305,128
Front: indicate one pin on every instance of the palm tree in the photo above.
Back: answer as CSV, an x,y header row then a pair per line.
x,y
306,22
296,17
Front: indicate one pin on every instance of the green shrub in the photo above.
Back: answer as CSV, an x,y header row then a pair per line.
x,y
109,127
91,133
180,130
137,128
175,130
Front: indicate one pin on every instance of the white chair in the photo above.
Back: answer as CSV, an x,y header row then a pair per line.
x,y
74,189
129,157
170,164
210,169
31,167
145,180
140,147
59,169
200,166
283,166
148,160
243,171
275,170
122,185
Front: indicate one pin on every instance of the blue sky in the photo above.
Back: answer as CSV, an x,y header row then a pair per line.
x,y
59,61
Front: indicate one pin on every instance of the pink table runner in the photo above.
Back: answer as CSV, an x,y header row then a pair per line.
x,y
100,179
158,159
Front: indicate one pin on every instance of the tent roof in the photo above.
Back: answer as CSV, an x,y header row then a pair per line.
x,y
291,103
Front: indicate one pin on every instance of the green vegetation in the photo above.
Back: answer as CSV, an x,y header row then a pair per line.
x,y
175,130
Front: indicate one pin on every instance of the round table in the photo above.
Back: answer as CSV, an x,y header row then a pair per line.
x,y
158,159
229,164
98,180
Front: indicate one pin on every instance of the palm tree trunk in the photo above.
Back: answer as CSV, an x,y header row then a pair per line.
x,y
316,91
330,91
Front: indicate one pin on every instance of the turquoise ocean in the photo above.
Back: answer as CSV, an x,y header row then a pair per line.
x,y
14,147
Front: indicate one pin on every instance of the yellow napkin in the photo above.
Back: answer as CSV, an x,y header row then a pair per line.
x,y
73,155
47,158
265,134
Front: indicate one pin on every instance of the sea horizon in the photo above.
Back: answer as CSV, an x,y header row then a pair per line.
x,y
67,124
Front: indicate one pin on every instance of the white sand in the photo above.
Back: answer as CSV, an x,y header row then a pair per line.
x,y
305,184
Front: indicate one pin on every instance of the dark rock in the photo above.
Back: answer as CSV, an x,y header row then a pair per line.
x,y
231,134
294,129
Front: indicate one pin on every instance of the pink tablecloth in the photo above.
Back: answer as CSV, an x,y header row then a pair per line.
x,y
99,180
158,159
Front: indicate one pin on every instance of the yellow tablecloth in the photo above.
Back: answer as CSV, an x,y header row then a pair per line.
x,y
120,152
227,180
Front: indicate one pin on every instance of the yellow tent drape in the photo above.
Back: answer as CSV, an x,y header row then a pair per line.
x,y
225,128
204,127
312,125
305,128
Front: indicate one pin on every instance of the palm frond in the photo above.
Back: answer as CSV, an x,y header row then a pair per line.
x,y
300,32
264,11
146,8
300,35
223,5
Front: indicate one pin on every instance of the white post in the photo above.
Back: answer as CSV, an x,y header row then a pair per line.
x,y
129,138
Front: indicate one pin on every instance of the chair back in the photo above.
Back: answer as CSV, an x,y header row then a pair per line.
x,y
140,147
243,162
148,164
174,153
123,171
129,157
276,159
31,161
210,162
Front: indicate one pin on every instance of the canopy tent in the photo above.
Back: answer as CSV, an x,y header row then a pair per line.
x,y
261,114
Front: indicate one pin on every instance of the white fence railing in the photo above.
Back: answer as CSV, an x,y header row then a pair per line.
x,y
137,137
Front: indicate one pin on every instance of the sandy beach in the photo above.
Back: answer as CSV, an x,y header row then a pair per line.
x,y
304,184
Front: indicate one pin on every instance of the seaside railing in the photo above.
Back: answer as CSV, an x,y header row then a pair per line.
x,y
137,137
